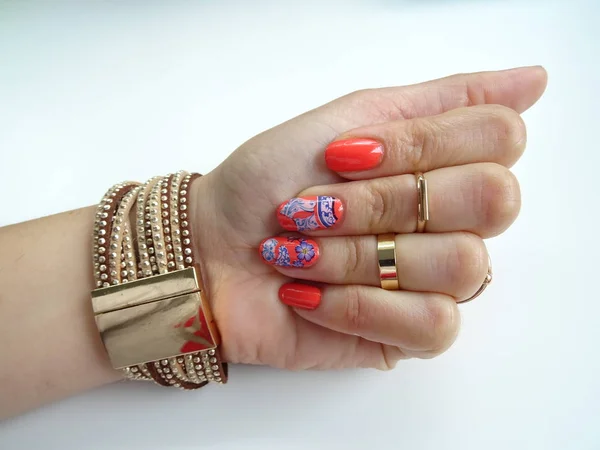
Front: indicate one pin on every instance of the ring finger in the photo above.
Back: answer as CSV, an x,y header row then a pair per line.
x,y
451,263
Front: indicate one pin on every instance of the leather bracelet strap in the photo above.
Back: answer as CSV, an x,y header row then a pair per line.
x,y
160,257
102,250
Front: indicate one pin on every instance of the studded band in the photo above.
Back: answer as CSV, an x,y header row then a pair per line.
x,y
149,298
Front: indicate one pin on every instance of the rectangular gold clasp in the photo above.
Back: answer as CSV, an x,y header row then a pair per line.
x,y
154,318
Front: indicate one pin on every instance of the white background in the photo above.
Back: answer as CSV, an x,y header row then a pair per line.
x,y
131,80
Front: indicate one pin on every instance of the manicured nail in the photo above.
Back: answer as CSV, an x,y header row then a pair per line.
x,y
310,213
355,154
289,252
300,295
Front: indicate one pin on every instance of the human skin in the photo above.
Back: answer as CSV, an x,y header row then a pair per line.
x,y
463,132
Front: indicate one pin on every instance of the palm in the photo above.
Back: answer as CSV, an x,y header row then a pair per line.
x,y
249,185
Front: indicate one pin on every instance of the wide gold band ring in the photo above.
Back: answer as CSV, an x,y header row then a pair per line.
x,y
486,282
422,202
386,254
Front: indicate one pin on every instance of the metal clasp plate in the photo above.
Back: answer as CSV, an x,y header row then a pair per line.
x,y
154,318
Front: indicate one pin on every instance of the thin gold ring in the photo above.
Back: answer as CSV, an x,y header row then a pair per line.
x,y
422,202
486,282
386,254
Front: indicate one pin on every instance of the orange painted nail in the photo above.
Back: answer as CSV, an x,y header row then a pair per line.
x,y
300,295
351,155
317,212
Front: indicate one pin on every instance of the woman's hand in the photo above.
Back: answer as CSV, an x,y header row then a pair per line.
x,y
462,132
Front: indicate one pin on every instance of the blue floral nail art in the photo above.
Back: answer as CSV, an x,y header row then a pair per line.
x,y
310,213
305,251
289,252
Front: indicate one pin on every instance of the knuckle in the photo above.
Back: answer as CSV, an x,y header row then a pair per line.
x,y
467,263
380,105
371,101
354,259
356,317
359,96
418,143
378,202
443,325
499,199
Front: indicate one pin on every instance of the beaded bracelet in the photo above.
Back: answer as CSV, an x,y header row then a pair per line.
x,y
150,303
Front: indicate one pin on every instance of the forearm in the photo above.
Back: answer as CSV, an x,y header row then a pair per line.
x,y
49,345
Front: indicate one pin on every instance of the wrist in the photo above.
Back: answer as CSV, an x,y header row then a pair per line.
x,y
201,214
206,234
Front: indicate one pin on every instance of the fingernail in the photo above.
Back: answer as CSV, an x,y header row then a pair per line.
x,y
289,252
300,295
355,154
310,213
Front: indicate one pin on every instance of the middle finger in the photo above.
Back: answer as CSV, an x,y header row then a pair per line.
x,y
480,198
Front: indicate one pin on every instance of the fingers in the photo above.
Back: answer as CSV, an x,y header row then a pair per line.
x,y
487,133
517,89
454,264
481,198
297,144
419,324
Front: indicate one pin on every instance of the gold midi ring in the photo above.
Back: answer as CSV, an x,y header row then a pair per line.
x,y
422,202
386,254
486,282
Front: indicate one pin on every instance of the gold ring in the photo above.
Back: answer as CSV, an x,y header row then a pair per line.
x,y
486,282
386,254
422,202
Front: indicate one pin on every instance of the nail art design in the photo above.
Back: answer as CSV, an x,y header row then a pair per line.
x,y
310,213
289,252
300,295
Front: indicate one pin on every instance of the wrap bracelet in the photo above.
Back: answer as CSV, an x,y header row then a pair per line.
x,y
150,304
